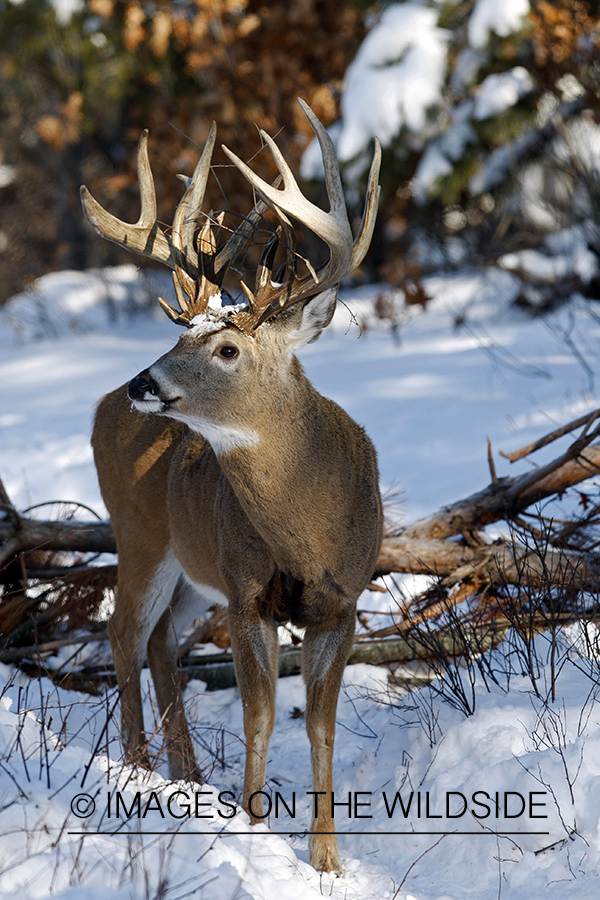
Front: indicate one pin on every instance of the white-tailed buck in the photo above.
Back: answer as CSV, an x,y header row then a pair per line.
x,y
229,479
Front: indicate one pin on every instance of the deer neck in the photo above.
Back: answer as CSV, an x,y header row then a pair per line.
x,y
275,475
279,434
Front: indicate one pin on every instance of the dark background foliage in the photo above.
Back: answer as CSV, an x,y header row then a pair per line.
x,y
74,98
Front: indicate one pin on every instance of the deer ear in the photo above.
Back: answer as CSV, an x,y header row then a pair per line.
x,y
313,317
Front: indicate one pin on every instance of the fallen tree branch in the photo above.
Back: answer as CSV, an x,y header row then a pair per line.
x,y
35,651
553,436
503,559
503,499
218,671
467,566
508,497
421,544
82,537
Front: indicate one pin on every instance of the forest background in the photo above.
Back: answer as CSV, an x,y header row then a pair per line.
x,y
487,114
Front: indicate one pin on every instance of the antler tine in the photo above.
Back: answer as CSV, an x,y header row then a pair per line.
x,y
183,316
145,236
186,214
333,179
335,190
198,272
209,281
367,225
264,271
243,234
332,227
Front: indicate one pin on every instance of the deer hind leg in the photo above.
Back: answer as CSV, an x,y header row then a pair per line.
x,y
141,601
163,658
325,652
255,653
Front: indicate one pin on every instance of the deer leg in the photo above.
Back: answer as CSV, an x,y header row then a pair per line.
x,y
325,652
163,659
140,603
255,653
128,661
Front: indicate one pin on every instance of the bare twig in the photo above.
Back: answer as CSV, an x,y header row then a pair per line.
x,y
510,496
16,653
491,465
553,436
418,859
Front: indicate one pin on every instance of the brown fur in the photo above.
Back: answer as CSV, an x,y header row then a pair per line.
x,y
287,528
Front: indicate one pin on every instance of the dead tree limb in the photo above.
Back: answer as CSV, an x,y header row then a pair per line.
x,y
552,436
509,496
218,672
505,499
31,534
420,548
35,651
504,559
447,545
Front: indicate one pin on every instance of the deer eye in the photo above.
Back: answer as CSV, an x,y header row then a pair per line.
x,y
228,351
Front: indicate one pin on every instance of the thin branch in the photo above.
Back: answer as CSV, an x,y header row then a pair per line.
x,y
553,436
16,653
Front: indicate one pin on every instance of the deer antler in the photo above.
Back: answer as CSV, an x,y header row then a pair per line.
x,y
333,228
198,269
146,236
197,273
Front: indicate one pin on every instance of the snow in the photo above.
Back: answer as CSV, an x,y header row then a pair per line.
x,y
500,162
500,91
397,81
567,253
429,393
395,78
583,143
490,16
495,94
441,153
7,175
64,9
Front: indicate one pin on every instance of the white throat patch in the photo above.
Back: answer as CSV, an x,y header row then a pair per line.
x,y
222,438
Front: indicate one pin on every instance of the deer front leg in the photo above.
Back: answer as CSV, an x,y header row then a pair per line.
x,y
325,652
163,658
255,654
128,658
141,601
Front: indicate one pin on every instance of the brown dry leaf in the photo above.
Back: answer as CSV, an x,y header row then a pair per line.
x,y
134,33
59,129
104,8
247,25
162,27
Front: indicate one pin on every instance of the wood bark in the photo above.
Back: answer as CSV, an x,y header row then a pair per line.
x,y
508,497
27,534
447,544
421,548
503,559
219,673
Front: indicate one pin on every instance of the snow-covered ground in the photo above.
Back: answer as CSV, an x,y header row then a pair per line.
x,y
430,394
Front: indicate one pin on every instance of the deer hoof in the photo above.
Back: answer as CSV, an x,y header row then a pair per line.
x,y
323,854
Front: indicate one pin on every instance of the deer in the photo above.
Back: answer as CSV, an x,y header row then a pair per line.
x,y
229,479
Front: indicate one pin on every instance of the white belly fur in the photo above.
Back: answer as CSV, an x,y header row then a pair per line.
x,y
207,595
194,602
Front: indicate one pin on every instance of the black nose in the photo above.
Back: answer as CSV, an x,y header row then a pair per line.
x,y
141,385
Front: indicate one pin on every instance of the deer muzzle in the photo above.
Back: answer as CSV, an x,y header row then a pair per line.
x,y
141,386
